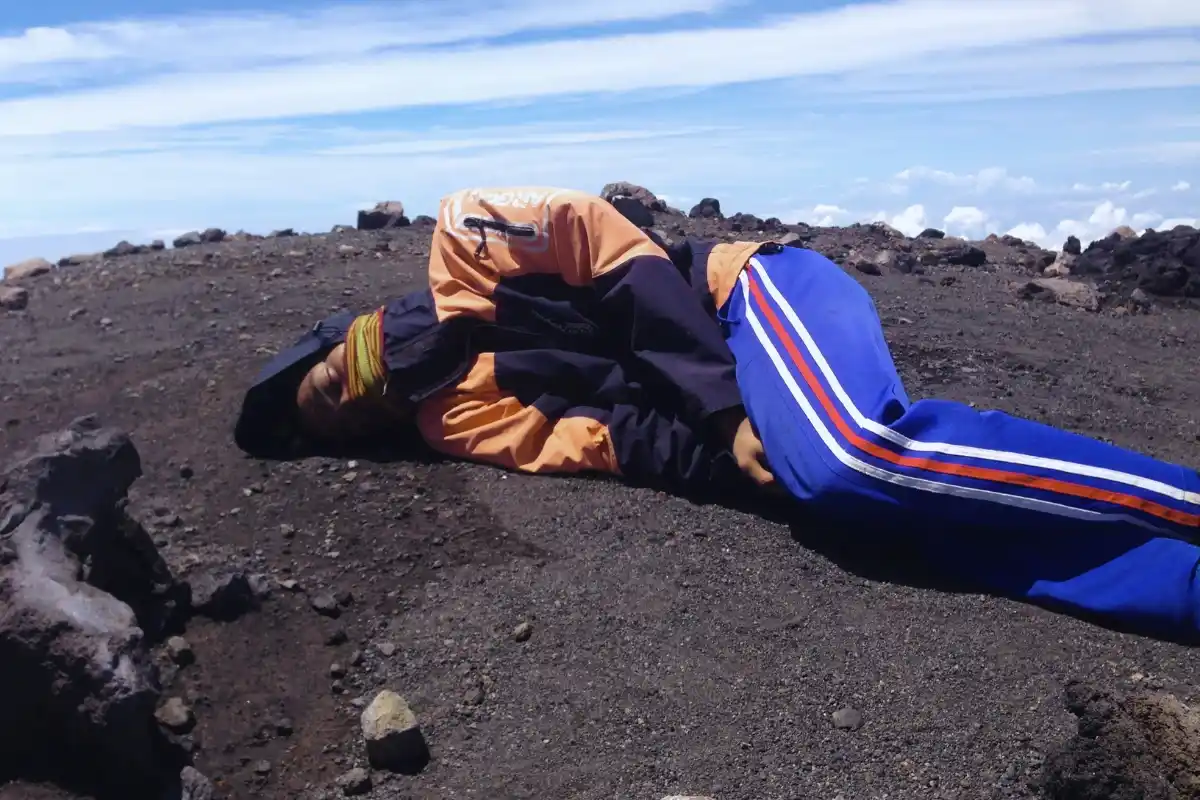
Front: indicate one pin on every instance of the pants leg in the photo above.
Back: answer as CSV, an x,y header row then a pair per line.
x,y
1084,524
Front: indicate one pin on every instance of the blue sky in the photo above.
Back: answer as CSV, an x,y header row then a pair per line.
x,y
137,119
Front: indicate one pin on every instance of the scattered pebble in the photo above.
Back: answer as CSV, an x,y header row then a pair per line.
x,y
386,649
848,719
355,782
326,605
263,767
175,716
180,651
522,632
336,670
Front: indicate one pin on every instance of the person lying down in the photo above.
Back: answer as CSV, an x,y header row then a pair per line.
x,y
554,336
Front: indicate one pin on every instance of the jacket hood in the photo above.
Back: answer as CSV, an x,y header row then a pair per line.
x,y
268,425
420,354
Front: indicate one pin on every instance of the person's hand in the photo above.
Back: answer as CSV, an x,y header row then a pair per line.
x,y
751,458
735,428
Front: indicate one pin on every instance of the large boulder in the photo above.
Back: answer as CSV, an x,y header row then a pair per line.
x,y
1165,263
30,268
388,214
82,589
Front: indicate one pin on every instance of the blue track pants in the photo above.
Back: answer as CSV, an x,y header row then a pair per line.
x,y
1012,506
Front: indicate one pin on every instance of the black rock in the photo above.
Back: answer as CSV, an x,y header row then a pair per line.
x,y
223,596
931,233
634,211
383,216
708,208
1072,246
966,255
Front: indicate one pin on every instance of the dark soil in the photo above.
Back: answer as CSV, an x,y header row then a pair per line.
x,y
676,648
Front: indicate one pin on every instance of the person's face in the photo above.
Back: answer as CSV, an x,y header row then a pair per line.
x,y
324,401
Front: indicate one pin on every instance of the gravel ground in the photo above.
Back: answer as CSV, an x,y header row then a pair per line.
x,y
670,648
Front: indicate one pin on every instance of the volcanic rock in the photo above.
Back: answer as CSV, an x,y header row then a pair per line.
x,y
123,248
13,298
708,208
393,736
388,214
634,211
189,239
965,255
1165,263
1061,291
224,595
30,268
81,590
639,194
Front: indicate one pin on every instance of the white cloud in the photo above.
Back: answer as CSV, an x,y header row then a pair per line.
x,y
1030,232
231,40
967,221
910,221
1182,186
1104,219
249,78
985,180
822,215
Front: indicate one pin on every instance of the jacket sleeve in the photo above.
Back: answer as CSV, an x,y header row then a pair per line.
x,y
666,329
647,302
643,446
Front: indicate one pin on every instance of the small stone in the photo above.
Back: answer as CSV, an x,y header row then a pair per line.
x,y
223,596
522,632
284,726
263,767
30,268
194,785
848,719
180,651
345,599
289,585
186,472
355,782
326,605
386,649
175,716
287,531
337,637
336,670
393,737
